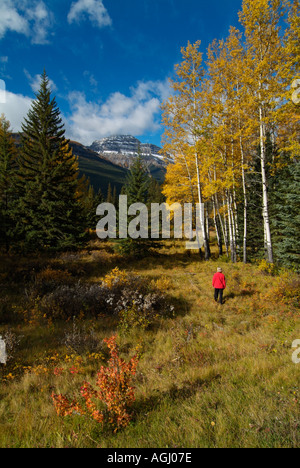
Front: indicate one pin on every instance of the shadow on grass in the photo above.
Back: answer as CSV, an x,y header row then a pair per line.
x,y
241,293
188,390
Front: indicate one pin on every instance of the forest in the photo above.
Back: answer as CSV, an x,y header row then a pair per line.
x,y
232,126
118,343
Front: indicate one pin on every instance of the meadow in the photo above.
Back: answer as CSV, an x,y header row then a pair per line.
x,y
207,375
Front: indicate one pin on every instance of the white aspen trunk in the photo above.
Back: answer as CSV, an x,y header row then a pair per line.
x,y
223,229
235,218
245,202
234,234
231,229
226,229
193,199
200,198
265,208
202,216
236,227
245,230
218,234
207,222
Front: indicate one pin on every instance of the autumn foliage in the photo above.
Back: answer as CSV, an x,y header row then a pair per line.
x,y
111,397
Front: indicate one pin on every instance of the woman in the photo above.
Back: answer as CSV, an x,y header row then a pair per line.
x,y
219,283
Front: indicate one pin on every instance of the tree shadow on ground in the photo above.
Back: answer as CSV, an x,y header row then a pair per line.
x,y
241,293
174,393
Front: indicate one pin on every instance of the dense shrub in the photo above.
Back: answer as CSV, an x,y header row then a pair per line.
x,y
286,289
48,280
107,401
118,294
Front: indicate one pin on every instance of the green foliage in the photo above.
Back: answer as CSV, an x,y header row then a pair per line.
x,y
50,215
286,217
136,189
8,170
137,183
90,202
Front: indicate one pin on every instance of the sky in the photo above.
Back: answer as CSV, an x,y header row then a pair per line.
x,y
108,61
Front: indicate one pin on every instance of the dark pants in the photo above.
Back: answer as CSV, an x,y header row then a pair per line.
x,y
219,294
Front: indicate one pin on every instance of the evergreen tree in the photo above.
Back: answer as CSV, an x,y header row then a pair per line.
x,y
8,169
286,217
136,189
115,197
50,213
109,198
255,230
137,183
155,192
92,200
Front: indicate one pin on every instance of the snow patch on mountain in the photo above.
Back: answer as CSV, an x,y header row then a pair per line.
x,y
123,149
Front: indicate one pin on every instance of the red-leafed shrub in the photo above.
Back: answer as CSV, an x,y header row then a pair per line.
x,y
109,400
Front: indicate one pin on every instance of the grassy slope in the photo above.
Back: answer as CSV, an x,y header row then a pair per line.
x,y
210,377
102,172
98,170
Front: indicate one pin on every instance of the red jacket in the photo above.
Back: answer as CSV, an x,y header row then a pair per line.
x,y
219,281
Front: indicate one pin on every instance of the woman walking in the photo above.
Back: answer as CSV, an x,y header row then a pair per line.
x,y
219,283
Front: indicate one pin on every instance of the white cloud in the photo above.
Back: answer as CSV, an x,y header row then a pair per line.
x,y
136,114
119,114
41,19
15,108
31,18
92,80
93,9
10,19
35,82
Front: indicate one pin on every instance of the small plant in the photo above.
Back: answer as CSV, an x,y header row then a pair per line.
x,y
81,340
133,317
287,289
12,342
162,284
115,277
109,400
267,268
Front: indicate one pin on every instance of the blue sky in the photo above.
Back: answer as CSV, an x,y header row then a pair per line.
x,y
108,60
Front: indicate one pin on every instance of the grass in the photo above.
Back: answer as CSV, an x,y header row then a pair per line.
x,y
211,376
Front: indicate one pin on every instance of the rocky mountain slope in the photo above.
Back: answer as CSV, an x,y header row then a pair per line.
x,y
123,149
108,162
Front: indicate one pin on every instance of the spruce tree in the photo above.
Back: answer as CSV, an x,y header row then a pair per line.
x,y
137,183
286,217
8,170
91,202
136,189
109,198
155,192
50,213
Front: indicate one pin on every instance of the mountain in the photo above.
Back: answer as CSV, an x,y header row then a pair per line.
x,y
123,149
102,171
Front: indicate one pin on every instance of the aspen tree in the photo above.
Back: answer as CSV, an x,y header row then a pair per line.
x,y
264,52
289,116
183,120
223,115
